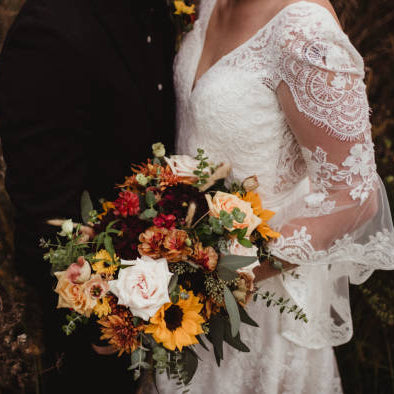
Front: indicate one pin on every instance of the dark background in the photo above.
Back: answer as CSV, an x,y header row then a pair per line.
x,y
367,362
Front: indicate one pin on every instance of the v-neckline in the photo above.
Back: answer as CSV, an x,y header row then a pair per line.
x,y
203,37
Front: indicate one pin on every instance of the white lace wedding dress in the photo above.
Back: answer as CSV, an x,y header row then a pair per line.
x,y
314,159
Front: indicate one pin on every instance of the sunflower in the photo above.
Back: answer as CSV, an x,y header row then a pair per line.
x,y
264,214
176,325
103,264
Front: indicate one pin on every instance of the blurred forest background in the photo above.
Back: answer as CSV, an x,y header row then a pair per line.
x,y
367,362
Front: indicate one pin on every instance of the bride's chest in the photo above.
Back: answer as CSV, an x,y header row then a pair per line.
x,y
234,100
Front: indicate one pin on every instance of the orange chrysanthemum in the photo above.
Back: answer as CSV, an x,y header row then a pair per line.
x,y
163,173
176,244
176,325
118,328
206,258
152,242
264,214
107,205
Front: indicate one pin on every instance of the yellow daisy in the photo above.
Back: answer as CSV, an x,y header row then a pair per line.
x,y
176,325
264,214
103,263
102,307
182,8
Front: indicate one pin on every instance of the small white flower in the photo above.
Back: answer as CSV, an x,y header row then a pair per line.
x,y
67,228
142,179
158,150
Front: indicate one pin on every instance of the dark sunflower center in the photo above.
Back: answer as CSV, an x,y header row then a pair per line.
x,y
173,317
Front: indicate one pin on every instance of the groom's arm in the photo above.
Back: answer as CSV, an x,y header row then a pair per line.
x,y
44,108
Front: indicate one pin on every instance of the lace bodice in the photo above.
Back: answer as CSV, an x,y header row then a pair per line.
x,y
289,105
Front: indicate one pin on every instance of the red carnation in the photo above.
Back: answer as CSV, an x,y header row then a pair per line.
x,y
166,221
128,204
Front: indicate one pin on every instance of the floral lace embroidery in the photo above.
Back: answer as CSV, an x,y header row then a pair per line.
x,y
376,253
361,163
360,174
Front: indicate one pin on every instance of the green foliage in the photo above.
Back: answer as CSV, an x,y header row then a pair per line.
x,y
201,173
220,332
86,207
282,303
73,319
232,310
60,255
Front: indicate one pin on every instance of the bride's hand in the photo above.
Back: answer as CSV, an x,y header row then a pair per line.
x,y
107,350
266,270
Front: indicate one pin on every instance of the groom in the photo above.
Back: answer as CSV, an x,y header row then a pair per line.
x,y
85,89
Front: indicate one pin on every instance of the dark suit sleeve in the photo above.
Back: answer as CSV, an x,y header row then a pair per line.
x,y
44,117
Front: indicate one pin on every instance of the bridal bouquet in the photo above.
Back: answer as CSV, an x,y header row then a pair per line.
x,y
164,266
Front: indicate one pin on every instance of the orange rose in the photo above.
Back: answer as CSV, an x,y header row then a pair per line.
x,y
74,296
228,202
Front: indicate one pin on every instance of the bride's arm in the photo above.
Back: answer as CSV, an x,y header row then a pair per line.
x,y
324,100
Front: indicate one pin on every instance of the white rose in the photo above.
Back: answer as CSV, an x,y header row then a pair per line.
x,y
182,165
142,287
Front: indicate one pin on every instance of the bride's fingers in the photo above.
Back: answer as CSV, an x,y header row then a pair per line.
x,y
107,350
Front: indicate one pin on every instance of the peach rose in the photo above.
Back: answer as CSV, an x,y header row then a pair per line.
x,y
74,296
228,202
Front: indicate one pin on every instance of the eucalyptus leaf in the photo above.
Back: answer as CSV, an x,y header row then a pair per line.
x,y
86,206
201,342
233,262
226,219
150,199
190,363
216,337
245,318
216,225
137,356
232,310
235,342
173,283
238,215
149,213
226,274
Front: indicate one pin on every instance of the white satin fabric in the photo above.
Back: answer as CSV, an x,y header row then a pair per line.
x,y
313,155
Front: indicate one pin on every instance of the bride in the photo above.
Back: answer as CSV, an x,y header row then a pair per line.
x,y
275,88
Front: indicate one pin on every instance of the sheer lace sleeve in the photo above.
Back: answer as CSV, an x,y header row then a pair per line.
x,y
342,227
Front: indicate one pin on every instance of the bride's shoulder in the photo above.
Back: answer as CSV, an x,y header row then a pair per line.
x,y
309,33
308,10
308,16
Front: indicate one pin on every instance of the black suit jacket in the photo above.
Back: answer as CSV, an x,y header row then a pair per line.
x,y
85,89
